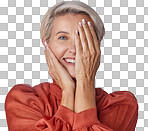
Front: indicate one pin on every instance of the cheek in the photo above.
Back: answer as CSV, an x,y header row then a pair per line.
x,y
58,50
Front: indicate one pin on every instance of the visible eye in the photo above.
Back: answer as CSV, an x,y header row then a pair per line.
x,y
62,37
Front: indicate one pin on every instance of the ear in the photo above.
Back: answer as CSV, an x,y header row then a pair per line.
x,y
43,41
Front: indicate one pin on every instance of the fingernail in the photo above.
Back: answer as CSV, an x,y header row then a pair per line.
x,y
45,44
80,24
76,32
89,23
83,20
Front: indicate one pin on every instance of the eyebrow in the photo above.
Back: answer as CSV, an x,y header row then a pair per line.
x,y
62,32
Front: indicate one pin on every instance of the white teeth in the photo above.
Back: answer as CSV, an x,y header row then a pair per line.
x,y
70,60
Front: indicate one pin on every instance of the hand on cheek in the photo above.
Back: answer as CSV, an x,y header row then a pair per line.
x,y
58,72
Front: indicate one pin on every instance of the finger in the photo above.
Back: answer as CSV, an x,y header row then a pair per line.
x,y
48,60
83,38
52,56
48,63
96,42
78,43
89,37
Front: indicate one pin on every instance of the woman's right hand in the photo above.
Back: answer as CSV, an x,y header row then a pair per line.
x,y
58,72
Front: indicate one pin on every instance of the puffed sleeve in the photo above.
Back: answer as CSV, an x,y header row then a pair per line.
x,y
117,111
25,111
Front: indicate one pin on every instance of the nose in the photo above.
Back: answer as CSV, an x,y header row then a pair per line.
x,y
72,47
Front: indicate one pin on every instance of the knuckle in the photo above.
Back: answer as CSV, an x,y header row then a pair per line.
x,y
93,55
93,52
84,39
99,52
87,55
50,73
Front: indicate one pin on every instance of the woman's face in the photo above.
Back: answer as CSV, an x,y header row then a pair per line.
x,y
62,40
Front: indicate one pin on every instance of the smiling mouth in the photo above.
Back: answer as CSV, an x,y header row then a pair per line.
x,y
69,63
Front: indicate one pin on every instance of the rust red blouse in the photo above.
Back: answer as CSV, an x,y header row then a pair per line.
x,y
38,109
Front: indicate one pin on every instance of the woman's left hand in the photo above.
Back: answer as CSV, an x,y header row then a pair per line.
x,y
87,53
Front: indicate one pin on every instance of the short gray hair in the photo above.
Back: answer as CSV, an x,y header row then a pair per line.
x,y
74,7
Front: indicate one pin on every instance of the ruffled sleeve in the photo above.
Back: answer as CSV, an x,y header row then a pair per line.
x,y
25,111
117,111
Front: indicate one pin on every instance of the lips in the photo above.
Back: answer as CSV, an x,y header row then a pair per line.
x,y
69,58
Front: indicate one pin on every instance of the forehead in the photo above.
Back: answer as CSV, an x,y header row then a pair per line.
x,y
68,21
72,17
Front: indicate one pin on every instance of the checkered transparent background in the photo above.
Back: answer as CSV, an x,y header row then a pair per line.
x,y
124,50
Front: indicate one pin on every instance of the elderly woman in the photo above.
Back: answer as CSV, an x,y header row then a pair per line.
x,y
71,33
